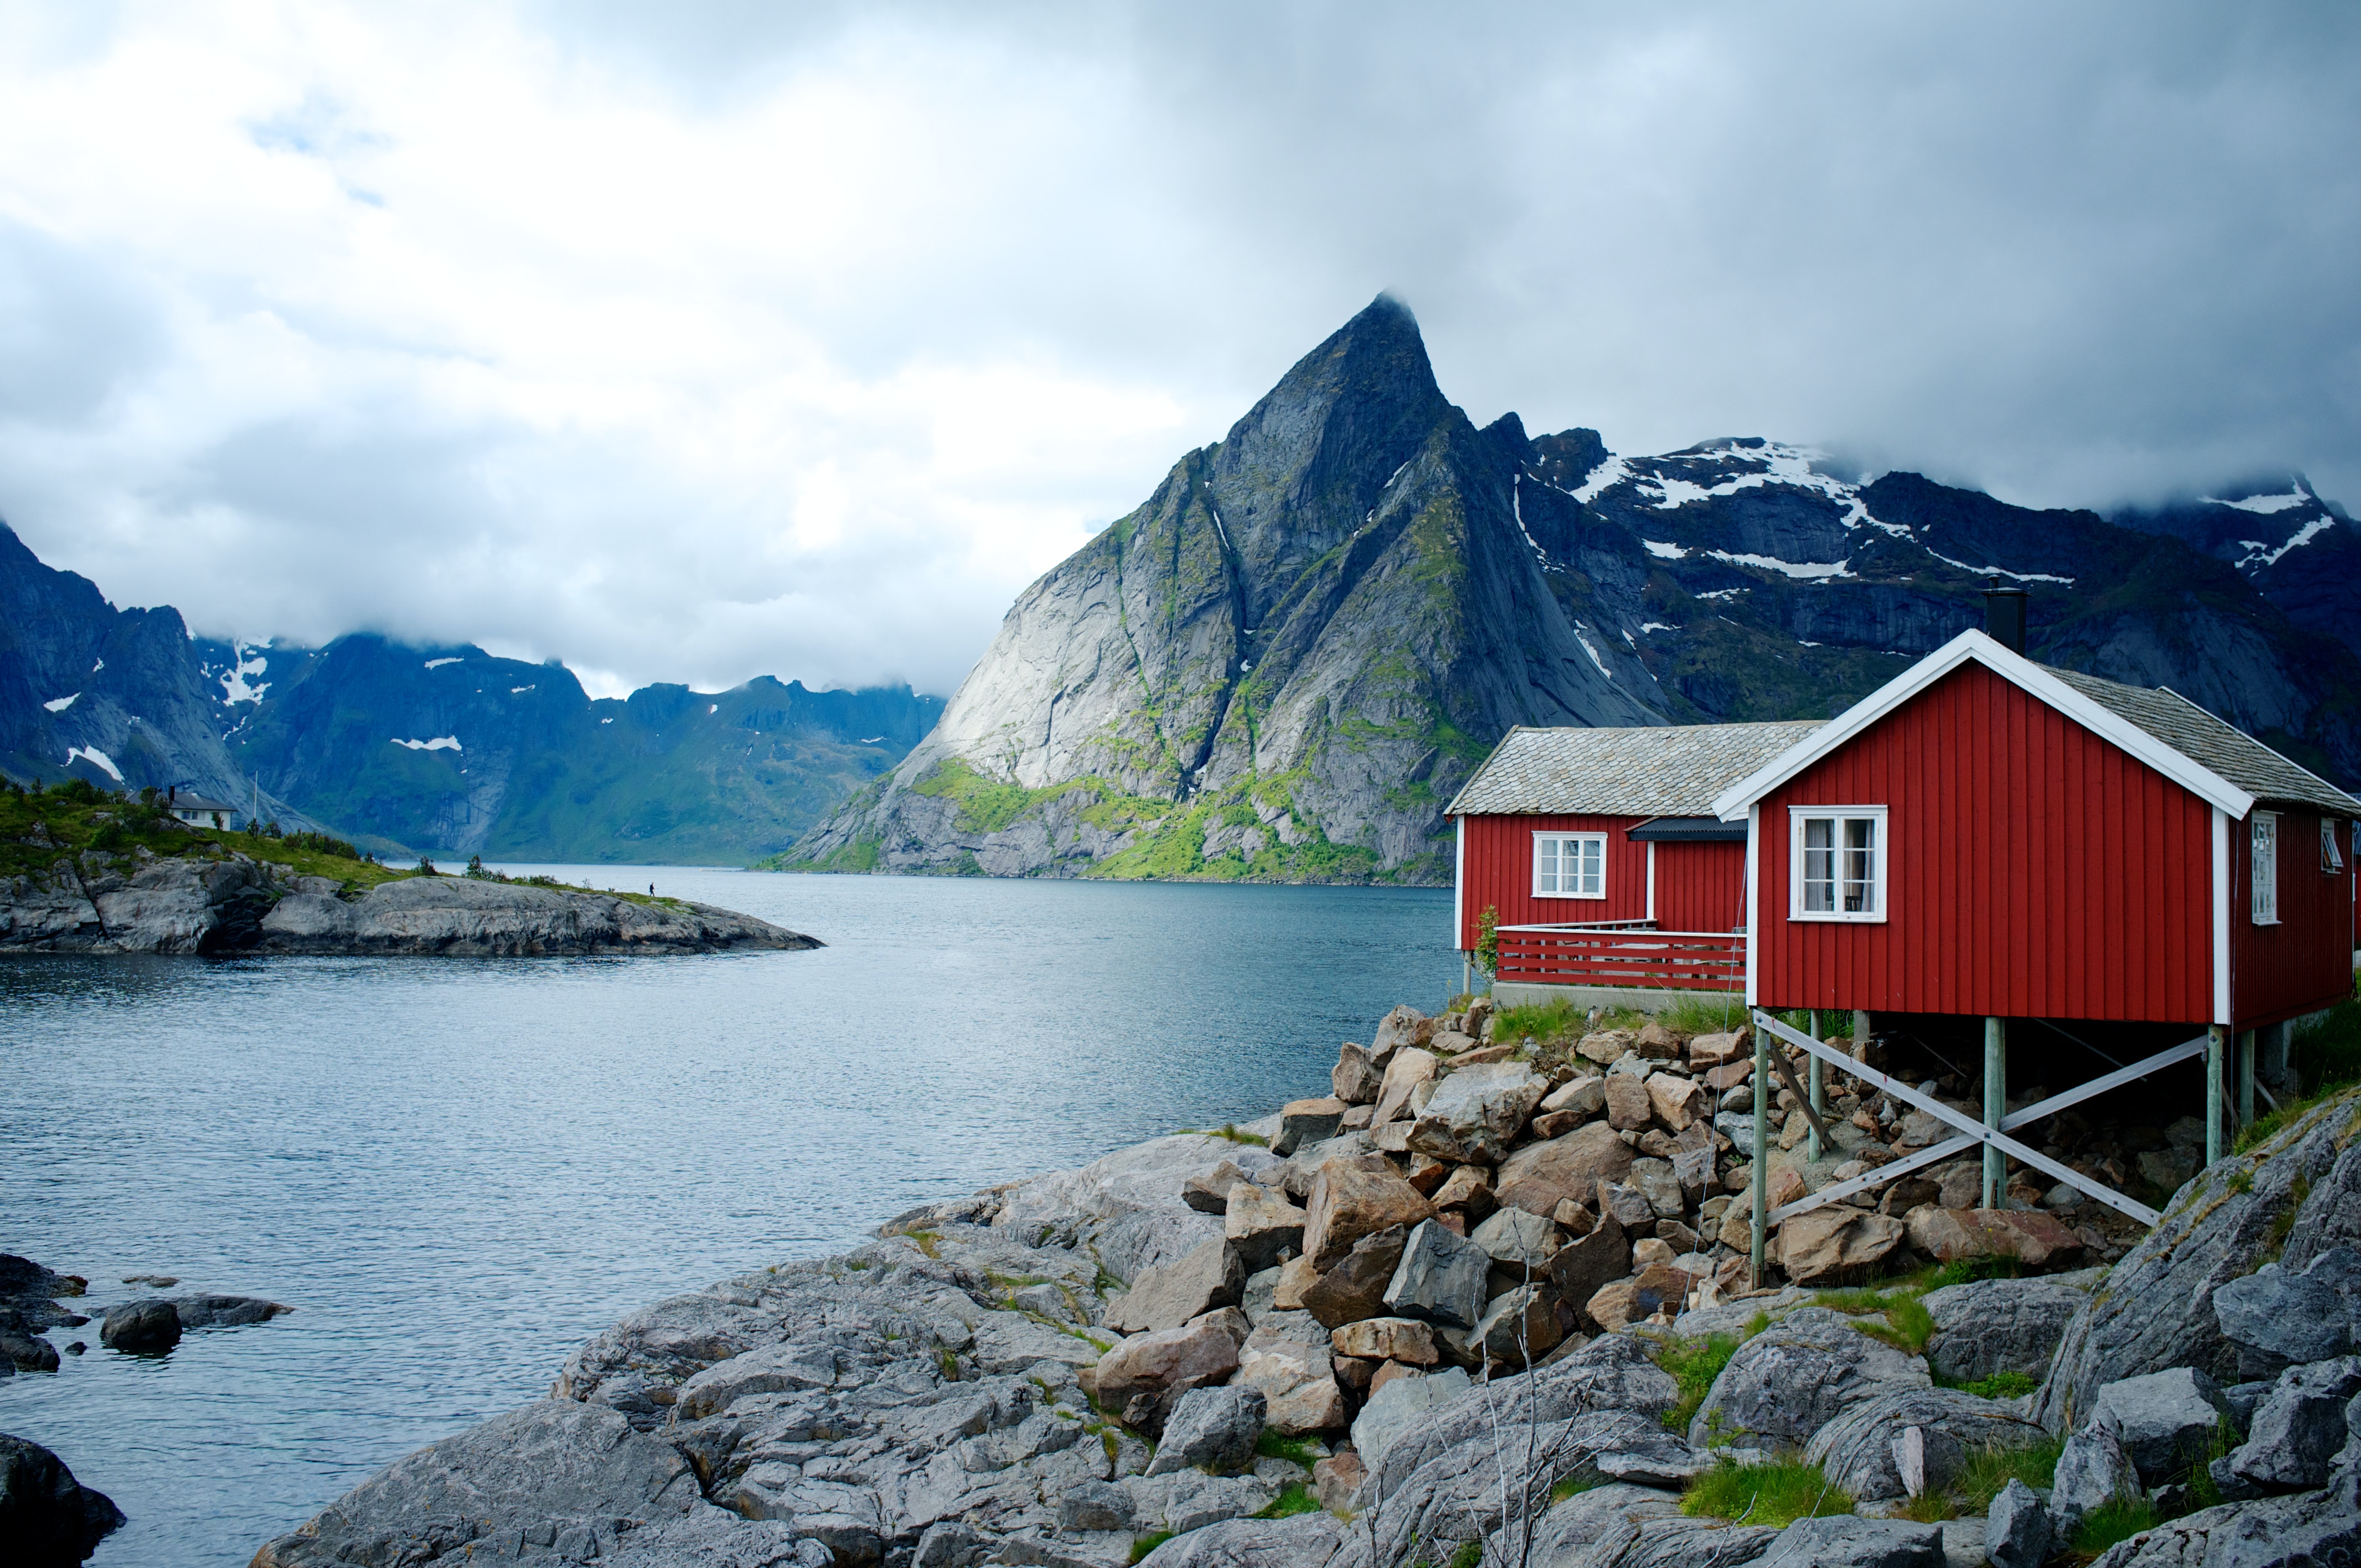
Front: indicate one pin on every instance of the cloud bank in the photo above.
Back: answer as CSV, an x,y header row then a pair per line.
x,y
702,342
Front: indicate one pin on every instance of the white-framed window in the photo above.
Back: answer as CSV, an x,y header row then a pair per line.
x,y
1836,863
2330,861
2265,836
1569,865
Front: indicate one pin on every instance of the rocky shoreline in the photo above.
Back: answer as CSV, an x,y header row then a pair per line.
x,y
1310,1342
187,904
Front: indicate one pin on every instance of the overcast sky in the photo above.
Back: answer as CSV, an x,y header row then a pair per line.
x,y
697,342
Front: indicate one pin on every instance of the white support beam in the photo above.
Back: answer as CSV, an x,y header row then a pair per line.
x,y
1993,1137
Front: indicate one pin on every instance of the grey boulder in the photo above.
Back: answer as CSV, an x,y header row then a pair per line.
x,y
1211,1429
2297,1430
2093,1471
1478,1111
1401,1405
1094,1504
2277,1316
45,1515
141,1328
1845,1542
1856,1449
1167,1296
1797,1376
1306,1540
2164,1421
553,1477
1988,1326
1441,1278
2017,1529
225,1311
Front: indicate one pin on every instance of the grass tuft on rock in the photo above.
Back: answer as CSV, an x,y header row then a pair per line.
x,y
2114,1521
1907,1327
1574,1485
1293,1498
1999,1386
1777,1494
1990,1470
1694,1365
1274,1443
1929,1508
1143,1545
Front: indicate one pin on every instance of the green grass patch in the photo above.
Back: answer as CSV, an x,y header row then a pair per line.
x,y
2327,1061
2113,1521
1776,1495
1276,1444
1694,1365
1146,1543
1293,1498
1575,1486
1907,1327
1966,1270
1999,1386
1469,1555
1929,1508
1990,1470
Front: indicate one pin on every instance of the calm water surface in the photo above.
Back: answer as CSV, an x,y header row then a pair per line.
x,y
457,1170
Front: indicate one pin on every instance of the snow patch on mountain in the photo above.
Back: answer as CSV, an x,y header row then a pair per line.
x,y
96,758
236,688
1801,570
2263,505
2261,555
59,704
440,744
438,664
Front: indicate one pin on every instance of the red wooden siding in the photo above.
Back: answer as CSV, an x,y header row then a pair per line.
x,y
2304,962
2034,869
1498,872
1700,887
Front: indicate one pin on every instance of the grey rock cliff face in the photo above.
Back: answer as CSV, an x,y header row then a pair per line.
x,y
1305,641
237,905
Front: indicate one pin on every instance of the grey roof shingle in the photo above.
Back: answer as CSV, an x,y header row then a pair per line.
x,y
1665,771
2210,743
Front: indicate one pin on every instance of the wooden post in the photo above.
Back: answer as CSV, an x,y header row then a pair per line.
x,y
1762,1182
1995,1109
2246,1043
1812,1096
1859,1031
2217,1044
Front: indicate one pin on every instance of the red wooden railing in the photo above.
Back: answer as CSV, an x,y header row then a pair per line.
x,y
1623,954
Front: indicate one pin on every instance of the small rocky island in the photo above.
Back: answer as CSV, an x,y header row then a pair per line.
x,y
1468,1309
89,873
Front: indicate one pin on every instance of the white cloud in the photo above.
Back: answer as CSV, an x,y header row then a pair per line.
x,y
728,340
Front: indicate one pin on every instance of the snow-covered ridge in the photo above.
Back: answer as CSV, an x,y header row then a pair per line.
x,y
2261,554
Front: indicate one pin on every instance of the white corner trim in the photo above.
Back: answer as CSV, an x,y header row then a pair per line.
x,y
2019,671
1651,879
1459,883
1754,881
2221,916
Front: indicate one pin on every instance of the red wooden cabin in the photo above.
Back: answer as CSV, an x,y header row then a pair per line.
x,y
1988,836
1597,853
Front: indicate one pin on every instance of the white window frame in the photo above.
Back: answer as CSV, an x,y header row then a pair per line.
x,y
1881,849
1558,857
2332,861
2263,872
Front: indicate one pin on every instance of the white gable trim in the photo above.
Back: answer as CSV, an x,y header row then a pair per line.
x,y
2018,670
2221,911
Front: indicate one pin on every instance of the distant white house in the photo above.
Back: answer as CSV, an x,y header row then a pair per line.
x,y
198,811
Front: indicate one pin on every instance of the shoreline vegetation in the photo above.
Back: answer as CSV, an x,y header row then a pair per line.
x,y
90,871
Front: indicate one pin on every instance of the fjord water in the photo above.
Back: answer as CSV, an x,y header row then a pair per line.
x,y
457,1170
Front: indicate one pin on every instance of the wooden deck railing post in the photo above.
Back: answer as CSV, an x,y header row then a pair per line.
x,y
2217,1044
1995,1109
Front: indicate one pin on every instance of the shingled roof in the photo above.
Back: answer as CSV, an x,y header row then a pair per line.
x,y
1664,771
2211,744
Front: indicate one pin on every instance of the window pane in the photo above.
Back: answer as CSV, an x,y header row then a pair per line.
x,y
1545,865
1594,876
2266,837
1861,865
1819,865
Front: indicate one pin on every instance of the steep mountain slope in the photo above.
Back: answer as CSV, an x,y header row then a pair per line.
x,y
106,695
1284,663
455,750
2302,552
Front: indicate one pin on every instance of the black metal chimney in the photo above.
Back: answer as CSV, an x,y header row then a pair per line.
x,y
2004,616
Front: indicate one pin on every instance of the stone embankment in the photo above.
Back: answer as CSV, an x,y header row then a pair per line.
x,y
1429,1317
172,904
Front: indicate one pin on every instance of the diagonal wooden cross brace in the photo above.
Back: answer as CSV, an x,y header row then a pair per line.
x,y
1976,1132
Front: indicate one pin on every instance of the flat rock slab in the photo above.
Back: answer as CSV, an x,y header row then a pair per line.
x,y
1857,1449
1845,1542
1988,1326
1798,1376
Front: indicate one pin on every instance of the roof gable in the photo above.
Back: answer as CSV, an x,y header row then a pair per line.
x,y
2205,756
1660,771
